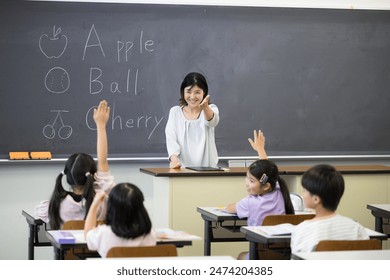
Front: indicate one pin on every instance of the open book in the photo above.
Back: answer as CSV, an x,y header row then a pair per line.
x,y
167,233
281,229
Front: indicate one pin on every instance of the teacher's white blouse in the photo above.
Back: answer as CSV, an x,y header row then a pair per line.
x,y
192,140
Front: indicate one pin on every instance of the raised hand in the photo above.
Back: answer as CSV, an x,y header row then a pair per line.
x,y
258,144
101,113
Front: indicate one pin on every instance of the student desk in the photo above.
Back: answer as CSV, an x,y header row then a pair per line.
x,y
34,239
176,194
60,249
379,211
254,235
217,220
344,255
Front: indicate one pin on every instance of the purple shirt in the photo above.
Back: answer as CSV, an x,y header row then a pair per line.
x,y
256,207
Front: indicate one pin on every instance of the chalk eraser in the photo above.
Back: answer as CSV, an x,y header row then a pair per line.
x,y
19,155
40,155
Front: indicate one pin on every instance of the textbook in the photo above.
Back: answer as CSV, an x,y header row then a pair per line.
x,y
63,237
281,229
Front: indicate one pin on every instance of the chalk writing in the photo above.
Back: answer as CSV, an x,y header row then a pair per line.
x,y
143,46
64,132
96,44
118,122
123,48
57,80
96,86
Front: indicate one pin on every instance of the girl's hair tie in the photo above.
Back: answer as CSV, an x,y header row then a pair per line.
x,y
87,174
63,172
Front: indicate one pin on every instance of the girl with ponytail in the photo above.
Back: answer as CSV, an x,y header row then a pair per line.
x,y
84,177
267,191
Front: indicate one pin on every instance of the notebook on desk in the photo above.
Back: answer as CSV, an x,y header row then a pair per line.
x,y
167,233
205,168
280,229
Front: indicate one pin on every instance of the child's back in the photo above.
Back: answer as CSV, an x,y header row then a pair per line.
x,y
85,179
127,221
307,234
323,187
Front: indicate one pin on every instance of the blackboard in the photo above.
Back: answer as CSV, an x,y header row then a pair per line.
x,y
316,81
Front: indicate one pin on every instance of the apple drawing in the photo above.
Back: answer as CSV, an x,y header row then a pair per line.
x,y
53,47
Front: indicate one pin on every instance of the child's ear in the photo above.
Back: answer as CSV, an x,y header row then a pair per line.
x,y
267,186
317,199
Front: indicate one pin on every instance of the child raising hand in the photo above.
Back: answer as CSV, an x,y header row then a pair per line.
x,y
127,222
84,177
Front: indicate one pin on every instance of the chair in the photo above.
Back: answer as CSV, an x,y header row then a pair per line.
x,y
280,250
348,245
165,250
77,224
297,202
73,225
272,220
78,253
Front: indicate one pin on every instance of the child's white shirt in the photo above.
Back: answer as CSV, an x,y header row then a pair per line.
x,y
102,239
307,234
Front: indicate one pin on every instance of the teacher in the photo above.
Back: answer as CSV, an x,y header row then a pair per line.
x,y
190,135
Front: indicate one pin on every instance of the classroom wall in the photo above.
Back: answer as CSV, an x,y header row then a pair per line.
x,y
23,185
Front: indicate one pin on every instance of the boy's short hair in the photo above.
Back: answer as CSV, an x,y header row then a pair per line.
x,y
326,182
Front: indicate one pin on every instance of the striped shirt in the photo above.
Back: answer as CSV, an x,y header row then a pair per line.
x,y
307,234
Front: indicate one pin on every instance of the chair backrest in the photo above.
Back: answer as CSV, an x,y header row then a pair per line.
x,y
76,224
280,250
348,245
164,250
297,202
272,220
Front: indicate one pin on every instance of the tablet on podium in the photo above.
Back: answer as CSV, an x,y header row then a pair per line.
x,y
205,168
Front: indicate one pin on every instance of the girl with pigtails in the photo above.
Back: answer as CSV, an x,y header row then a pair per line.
x,y
85,179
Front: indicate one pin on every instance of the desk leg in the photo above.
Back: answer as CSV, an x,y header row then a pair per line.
x,y
33,229
207,237
378,224
59,254
253,253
